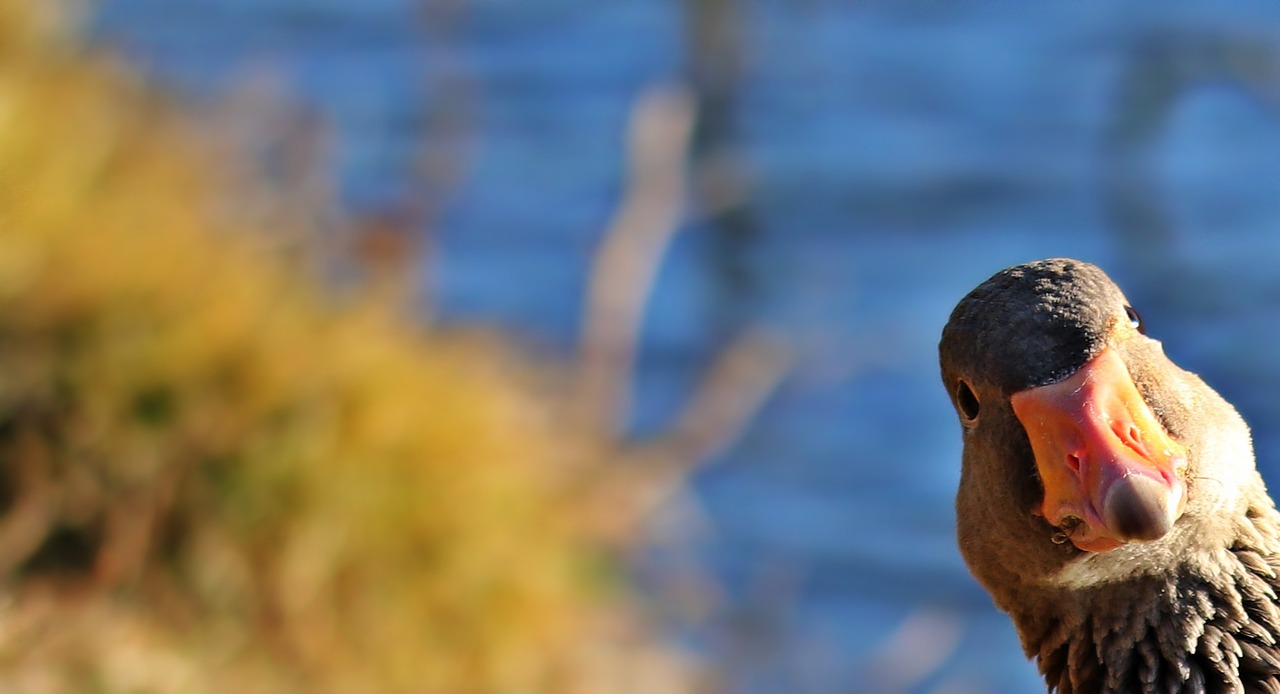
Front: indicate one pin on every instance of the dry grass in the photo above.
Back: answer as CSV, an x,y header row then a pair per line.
x,y
215,476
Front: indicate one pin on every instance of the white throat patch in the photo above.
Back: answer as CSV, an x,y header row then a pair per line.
x,y
1144,559
1094,569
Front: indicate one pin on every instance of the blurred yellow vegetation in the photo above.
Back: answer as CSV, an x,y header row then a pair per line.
x,y
217,476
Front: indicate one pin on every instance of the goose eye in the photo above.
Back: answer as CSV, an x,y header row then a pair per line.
x,y
1135,320
967,402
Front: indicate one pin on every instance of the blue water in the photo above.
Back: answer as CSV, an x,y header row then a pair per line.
x,y
900,152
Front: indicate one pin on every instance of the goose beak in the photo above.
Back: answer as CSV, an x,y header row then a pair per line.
x,y
1111,473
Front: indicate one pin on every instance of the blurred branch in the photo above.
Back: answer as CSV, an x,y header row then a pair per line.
x,y
450,133
280,152
736,388
132,523
918,648
26,523
390,242
715,50
739,380
630,254
285,153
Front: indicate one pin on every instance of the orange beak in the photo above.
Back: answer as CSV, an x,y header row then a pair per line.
x,y
1103,457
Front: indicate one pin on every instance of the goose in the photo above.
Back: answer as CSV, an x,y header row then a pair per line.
x,y
1108,500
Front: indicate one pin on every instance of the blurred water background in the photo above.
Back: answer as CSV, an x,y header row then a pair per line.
x,y
857,167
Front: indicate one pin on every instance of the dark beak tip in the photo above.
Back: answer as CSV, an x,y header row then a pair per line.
x,y
1139,509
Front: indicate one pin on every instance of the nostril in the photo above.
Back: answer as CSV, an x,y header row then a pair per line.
x,y
1073,462
1130,435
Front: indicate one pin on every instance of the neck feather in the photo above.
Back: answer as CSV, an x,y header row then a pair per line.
x,y
1211,625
